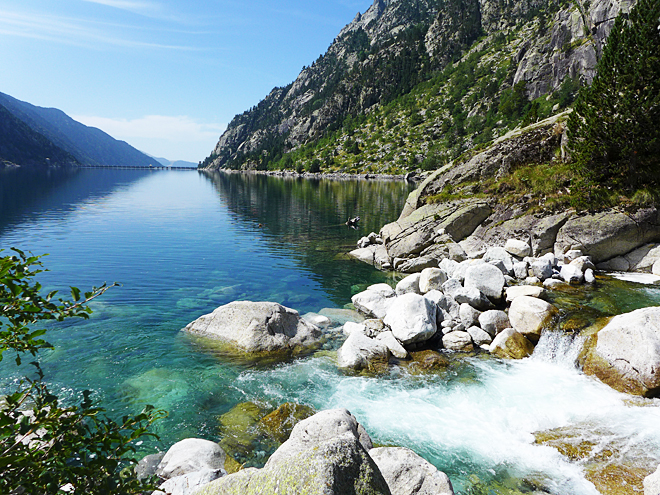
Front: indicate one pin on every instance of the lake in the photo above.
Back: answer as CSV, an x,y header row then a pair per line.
x,y
182,243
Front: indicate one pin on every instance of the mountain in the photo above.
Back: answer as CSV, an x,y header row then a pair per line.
x,y
177,163
20,145
89,145
494,61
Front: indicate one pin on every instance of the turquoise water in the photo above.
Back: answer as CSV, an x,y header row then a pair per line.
x,y
183,243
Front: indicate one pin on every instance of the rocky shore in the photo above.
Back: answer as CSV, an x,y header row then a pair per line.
x,y
411,176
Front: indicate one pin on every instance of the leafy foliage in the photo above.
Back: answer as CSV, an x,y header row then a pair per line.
x,y
46,446
615,128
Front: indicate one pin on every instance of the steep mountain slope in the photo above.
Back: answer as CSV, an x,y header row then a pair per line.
x,y
90,146
20,145
512,53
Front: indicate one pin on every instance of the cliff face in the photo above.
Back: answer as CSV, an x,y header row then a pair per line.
x,y
397,44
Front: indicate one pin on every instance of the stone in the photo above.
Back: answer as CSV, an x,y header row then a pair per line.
x,y
499,254
394,346
531,281
429,360
381,258
364,254
589,276
517,248
571,274
479,336
458,341
326,454
656,268
257,327
412,319
551,258
416,265
473,297
652,483
572,255
148,465
375,300
494,321
643,258
360,351
582,263
499,264
521,270
188,483
469,316
448,266
529,316
618,264
452,286
626,355
510,344
431,279
609,233
462,268
406,473
189,456
524,290
552,283
349,327
317,319
363,242
488,279
374,327
541,269
408,284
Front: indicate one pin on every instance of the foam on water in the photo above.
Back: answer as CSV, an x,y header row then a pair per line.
x,y
480,417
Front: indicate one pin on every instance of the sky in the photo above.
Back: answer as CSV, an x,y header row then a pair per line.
x,y
166,76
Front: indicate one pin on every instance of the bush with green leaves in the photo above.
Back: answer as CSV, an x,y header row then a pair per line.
x,y
615,127
47,447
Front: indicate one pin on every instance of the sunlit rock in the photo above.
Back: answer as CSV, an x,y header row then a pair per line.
x,y
530,316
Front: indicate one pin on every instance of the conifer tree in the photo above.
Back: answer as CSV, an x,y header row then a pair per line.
x,y
615,126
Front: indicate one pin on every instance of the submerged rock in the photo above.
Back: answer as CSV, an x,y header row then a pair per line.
x,y
626,355
257,327
279,423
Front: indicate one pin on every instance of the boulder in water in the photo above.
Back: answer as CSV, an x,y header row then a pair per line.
x,y
530,316
626,355
510,344
406,473
257,327
360,351
412,319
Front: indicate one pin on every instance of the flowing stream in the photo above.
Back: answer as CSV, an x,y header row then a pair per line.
x,y
182,243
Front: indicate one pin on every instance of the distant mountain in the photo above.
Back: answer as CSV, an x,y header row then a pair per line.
x,y
177,163
20,145
89,145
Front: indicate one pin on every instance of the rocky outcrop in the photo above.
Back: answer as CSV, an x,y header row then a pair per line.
x,y
626,354
329,453
257,327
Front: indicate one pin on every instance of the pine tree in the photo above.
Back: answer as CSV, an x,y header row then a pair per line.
x,y
615,126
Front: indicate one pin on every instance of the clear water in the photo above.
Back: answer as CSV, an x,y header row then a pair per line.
x,y
182,244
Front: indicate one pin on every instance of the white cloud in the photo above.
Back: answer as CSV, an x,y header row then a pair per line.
x,y
174,138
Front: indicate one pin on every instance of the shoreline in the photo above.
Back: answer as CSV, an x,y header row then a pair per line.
x,y
412,177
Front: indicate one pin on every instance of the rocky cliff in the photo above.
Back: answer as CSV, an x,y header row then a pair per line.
x,y
398,45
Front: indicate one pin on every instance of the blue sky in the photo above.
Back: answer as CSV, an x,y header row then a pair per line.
x,y
164,75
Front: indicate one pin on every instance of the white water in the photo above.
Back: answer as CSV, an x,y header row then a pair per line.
x,y
479,417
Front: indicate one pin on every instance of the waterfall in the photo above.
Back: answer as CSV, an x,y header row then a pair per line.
x,y
559,348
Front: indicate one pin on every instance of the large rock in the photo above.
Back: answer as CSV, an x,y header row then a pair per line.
x,y
494,321
326,454
359,351
626,355
473,297
656,268
415,265
431,279
375,300
408,284
488,279
530,316
524,290
406,473
652,483
189,456
417,231
510,344
458,341
610,233
499,254
517,248
469,315
412,319
571,274
188,483
389,340
257,327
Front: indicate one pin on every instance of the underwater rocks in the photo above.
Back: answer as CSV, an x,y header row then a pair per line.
x,y
626,353
254,327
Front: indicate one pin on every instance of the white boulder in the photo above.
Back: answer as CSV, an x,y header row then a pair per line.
x,y
394,346
375,300
488,279
479,336
412,318
517,248
530,316
494,321
189,456
524,290
652,483
431,279
458,341
408,284
359,351
571,274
